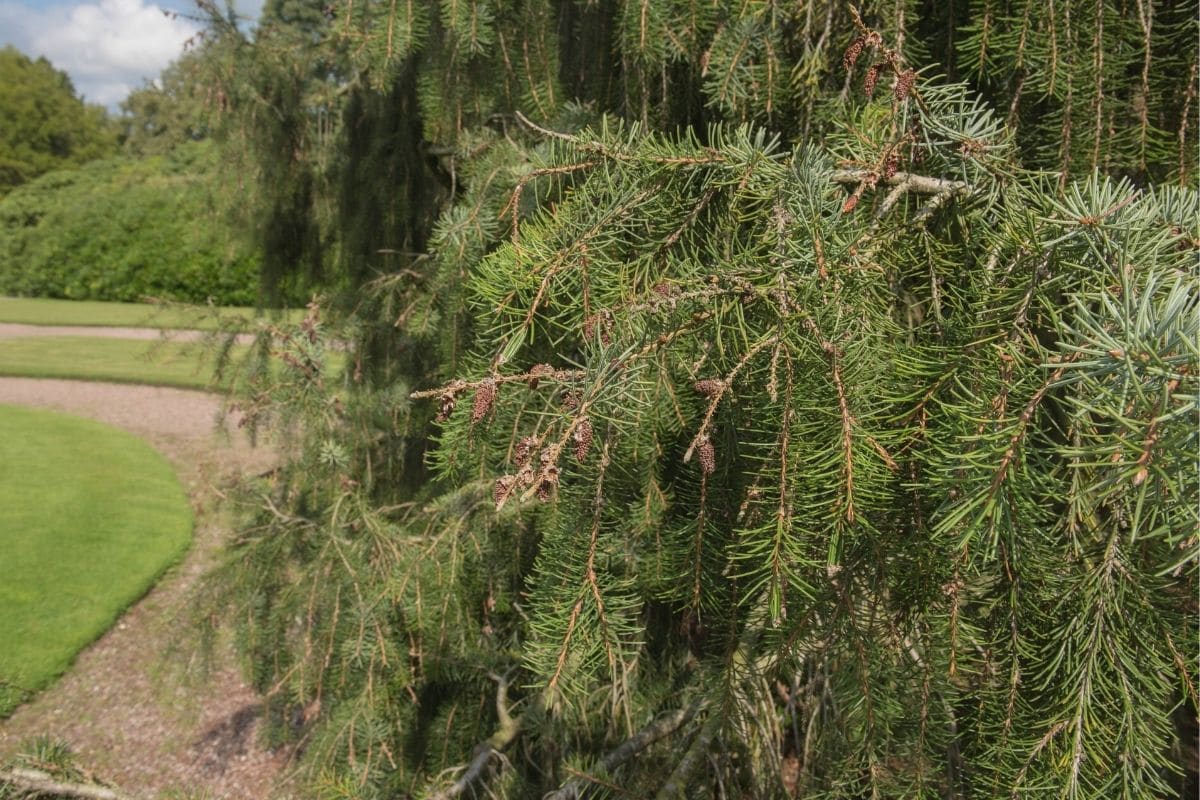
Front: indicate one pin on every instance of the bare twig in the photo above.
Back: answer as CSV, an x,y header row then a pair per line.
x,y
658,729
36,783
533,126
489,749
912,182
460,386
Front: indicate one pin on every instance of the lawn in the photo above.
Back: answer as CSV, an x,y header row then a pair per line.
x,y
120,360
90,517
40,311
164,363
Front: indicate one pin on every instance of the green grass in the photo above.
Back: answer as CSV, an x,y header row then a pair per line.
x,y
90,517
39,311
178,364
120,360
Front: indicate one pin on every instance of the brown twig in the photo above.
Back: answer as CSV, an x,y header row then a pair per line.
x,y
514,201
458,387
715,399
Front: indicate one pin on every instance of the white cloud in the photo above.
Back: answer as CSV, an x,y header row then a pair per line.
x,y
107,47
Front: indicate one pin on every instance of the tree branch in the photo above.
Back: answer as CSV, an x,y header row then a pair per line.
x,y
485,751
658,729
922,184
676,785
36,783
533,126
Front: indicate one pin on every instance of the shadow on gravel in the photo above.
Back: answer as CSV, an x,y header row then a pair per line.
x,y
228,739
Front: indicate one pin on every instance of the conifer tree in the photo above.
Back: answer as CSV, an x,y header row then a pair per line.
x,y
789,400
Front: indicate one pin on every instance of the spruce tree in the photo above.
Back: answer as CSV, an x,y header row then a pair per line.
x,y
785,400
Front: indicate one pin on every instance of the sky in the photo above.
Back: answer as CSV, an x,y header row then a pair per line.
x,y
108,47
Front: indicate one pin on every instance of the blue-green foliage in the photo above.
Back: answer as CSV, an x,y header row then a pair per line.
x,y
124,229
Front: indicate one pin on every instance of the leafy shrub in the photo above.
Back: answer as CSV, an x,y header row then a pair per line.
x,y
123,229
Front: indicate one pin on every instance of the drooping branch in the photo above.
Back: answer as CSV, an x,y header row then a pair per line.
x,y
1018,435
514,201
848,420
653,732
590,586
717,390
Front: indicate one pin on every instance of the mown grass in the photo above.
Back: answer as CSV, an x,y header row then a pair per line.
x,y
156,363
90,517
41,311
120,360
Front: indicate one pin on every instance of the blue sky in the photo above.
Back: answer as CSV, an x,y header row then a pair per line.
x,y
108,47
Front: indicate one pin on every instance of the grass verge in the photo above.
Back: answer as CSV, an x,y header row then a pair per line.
x,y
90,517
120,360
160,363
42,311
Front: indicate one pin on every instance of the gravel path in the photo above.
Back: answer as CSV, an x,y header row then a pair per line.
x,y
14,330
130,719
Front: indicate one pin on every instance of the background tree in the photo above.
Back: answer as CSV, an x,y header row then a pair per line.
x,y
127,228
43,124
151,222
760,466
169,111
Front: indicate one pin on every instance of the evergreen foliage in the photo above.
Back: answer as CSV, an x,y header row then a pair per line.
x,y
809,422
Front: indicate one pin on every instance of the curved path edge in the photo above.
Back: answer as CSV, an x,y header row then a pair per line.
x,y
154,736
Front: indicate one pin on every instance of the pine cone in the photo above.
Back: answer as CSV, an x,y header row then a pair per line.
x,y
707,455
871,79
524,450
549,480
446,407
904,84
709,387
890,165
539,371
503,489
850,57
582,435
599,322
485,399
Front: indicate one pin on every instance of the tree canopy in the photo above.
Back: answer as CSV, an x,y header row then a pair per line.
x,y
44,125
744,399
169,111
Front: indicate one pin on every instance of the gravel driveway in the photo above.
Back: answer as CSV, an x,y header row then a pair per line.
x,y
14,330
152,736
